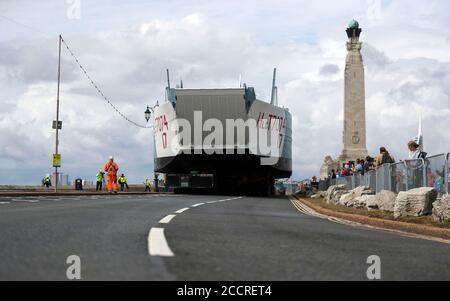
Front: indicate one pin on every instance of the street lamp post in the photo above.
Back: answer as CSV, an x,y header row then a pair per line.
x,y
148,112
57,125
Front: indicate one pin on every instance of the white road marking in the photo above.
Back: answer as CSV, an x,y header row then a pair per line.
x,y
181,210
230,199
167,219
5,203
157,243
24,201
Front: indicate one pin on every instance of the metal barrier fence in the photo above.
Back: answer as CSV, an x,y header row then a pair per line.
x,y
398,177
436,172
447,174
402,176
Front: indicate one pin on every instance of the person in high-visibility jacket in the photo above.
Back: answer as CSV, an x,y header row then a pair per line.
x,y
100,178
46,181
148,185
111,168
123,182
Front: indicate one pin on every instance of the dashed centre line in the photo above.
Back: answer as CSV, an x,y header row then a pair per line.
x,y
24,201
167,219
182,210
157,243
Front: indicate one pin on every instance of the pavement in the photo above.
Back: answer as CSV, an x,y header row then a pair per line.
x,y
18,193
70,191
186,237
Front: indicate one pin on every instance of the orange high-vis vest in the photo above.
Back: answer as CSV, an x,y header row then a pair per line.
x,y
111,168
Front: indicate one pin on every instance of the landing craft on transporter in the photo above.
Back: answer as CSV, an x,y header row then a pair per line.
x,y
205,154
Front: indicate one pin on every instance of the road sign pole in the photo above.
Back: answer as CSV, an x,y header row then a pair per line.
x,y
57,113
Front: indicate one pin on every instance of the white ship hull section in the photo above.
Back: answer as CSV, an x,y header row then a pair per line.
x,y
266,119
164,133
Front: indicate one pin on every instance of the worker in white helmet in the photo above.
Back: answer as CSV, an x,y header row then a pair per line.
x,y
112,168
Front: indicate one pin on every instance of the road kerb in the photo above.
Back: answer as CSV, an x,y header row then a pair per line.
x,y
398,227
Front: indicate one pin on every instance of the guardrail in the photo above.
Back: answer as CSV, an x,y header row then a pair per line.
x,y
437,173
447,177
401,176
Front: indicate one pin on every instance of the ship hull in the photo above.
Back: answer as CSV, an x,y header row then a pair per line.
x,y
235,162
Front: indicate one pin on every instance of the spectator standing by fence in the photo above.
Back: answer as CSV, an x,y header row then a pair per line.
x,y
383,158
345,171
333,174
368,165
353,169
438,182
360,166
415,156
415,152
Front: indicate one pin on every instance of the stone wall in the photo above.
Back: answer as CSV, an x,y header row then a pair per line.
x,y
415,202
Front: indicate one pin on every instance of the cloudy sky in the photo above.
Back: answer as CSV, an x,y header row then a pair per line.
x,y
127,45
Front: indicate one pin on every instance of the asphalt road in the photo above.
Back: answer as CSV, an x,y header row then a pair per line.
x,y
235,239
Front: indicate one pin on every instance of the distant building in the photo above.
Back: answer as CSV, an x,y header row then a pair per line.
x,y
53,179
65,180
88,183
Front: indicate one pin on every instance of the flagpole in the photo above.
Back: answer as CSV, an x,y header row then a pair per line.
x,y
420,134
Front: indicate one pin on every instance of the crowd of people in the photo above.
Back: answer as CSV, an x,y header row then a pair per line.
x,y
362,166
432,176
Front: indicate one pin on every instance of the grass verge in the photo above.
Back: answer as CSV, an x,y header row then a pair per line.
x,y
421,220
424,225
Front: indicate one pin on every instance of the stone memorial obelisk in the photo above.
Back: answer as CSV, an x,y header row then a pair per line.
x,y
354,133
